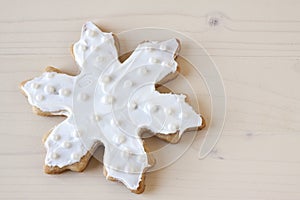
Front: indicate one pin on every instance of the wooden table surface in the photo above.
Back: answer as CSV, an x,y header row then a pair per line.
x,y
256,46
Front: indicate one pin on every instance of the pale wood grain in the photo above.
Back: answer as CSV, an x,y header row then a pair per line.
x,y
256,47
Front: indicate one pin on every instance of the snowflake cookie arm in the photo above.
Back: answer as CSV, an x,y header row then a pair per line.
x,y
154,56
165,114
125,158
50,93
169,113
95,49
65,149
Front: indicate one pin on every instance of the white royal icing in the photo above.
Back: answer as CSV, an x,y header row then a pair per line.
x,y
110,103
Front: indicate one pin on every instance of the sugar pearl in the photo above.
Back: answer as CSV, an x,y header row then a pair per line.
x,y
154,60
128,83
143,71
108,99
83,47
91,33
35,85
96,117
83,97
39,97
133,105
75,156
169,111
152,108
67,145
54,156
49,89
106,79
56,137
65,92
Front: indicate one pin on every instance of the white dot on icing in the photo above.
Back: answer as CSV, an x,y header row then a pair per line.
x,y
143,71
35,85
169,111
120,139
56,137
49,89
108,99
105,79
50,75
83,97
96,117
100,59
152,108
65,92
82,47
39,97
67,145
75,156
91,33
172,127
54,156
128,83
133,105
154,60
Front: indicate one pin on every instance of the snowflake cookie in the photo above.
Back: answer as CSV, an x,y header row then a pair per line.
x,y
110,103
